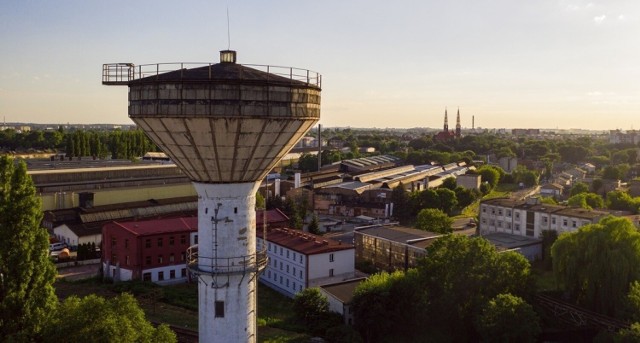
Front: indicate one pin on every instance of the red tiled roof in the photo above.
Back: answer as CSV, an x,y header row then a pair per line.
x,y
152,227
273,216
303,242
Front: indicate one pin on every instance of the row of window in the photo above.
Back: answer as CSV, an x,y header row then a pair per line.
x,y
499,211
172,258
160,241
565,222
273,263
172,275
283,251
275,277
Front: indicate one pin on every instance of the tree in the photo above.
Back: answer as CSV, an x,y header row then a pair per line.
x,y
309,305
586,200
496,322
450,183
622,201
462,274
94,318
308,163
260,202
448,200
26,273
434,220
582,262
579,187
314,226
401,206
390,307
490,174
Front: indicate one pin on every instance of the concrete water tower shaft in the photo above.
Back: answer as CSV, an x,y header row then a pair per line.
x,y
226,126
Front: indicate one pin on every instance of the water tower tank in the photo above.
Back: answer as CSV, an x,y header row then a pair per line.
x,y
226,126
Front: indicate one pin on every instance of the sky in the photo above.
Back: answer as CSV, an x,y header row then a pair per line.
x,y
385,64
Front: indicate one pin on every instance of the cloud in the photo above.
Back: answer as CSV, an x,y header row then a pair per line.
x,y
599,19
577,6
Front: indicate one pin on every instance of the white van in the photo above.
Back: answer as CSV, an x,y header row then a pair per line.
x,y
56,246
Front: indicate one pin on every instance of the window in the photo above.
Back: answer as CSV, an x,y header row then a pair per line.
x,y
499,211
147,243
294,286
484,209
517,214
147,260
113,242
219,309
493,211
195,239
564,222
508,213
509,226
484,221
171,240
280,265
114,259
281,279
287,268
160,242
331,272
517,227
172,258
553,220
301,274
160,276
183,239
182,256
280,251
160,259
500,223
330,257
544,219
126,243
183,272
492,222
268,274
574,223
269,247
172,274
287,253
287,282
300,258
294,271
126,258
146,277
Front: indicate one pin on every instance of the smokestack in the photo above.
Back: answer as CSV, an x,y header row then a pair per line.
x,y
473,122
319,146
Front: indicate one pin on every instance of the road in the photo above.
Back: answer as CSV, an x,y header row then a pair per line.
x,y
78,272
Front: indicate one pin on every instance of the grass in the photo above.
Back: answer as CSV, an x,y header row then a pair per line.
x,y
178,305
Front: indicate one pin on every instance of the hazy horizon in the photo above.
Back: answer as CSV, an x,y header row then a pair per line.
x,y
544,64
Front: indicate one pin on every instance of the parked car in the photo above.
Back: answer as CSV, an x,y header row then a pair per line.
x,y
57,246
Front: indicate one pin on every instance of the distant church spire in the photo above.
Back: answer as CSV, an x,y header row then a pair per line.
x,y
458,127
446,121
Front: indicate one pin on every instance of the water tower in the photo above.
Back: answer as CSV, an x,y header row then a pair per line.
x,y
225,125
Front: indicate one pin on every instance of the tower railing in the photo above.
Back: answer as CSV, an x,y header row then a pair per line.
x,y
225,265
123,73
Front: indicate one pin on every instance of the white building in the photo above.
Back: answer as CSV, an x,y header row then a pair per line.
x,y
299,260
76,234
529,217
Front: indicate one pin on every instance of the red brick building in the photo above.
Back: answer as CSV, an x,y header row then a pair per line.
x,y
155,250
150,250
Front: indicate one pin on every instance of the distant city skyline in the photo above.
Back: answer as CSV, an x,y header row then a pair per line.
x,y
542,64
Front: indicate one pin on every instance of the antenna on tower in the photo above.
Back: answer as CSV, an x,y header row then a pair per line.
x,y
228,31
